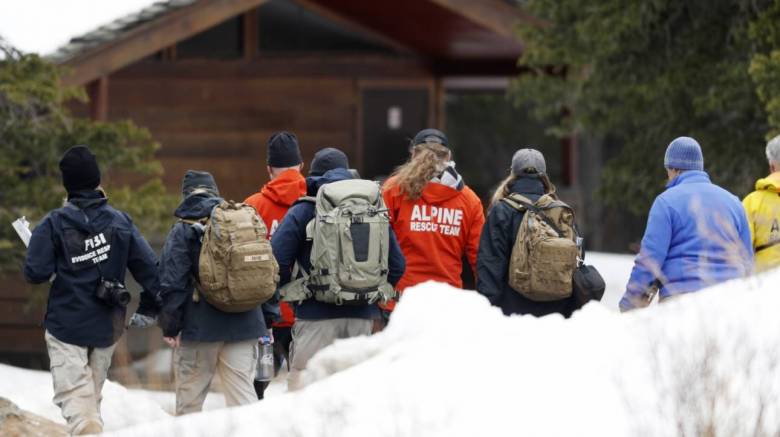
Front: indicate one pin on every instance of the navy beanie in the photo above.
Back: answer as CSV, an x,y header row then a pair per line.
x,y
202,180
327,159
79,169
684,153
283,150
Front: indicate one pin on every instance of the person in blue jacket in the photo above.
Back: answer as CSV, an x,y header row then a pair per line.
x,y
77,248
206,340
528,177
318,324
697,233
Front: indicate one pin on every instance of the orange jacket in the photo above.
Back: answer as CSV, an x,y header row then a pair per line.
x,y
435,231
272,203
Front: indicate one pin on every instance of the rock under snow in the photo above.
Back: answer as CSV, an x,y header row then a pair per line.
x,y
15,422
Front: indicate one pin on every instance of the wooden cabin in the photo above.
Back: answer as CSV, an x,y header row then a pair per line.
x,y
212,80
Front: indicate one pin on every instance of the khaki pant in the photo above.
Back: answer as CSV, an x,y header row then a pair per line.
x,y
196,363
310,336
78,374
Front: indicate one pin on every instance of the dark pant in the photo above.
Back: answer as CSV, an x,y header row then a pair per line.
x,y
282,340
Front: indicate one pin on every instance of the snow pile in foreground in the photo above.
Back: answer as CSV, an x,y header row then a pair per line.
x,y
32,390
451,365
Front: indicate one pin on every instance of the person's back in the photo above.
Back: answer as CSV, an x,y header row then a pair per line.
x,y
707,224
528,178
88,245
437,218
697,233
763,210
317,323
206,340
435,231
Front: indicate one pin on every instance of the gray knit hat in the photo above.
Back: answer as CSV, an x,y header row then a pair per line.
x,y
684,153
528,159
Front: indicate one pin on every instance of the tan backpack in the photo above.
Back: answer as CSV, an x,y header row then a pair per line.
x,y
545,252
237,269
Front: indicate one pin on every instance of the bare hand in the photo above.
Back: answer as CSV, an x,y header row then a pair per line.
x,y
173,342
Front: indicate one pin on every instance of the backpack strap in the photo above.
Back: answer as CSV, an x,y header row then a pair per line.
x,y
767,246
200,224
522,203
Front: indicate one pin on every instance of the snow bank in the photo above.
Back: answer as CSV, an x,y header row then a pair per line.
x,y
32,390
451,365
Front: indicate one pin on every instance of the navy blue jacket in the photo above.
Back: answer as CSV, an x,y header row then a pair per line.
x,y
495,251
68,242
200,321
290,245
697,235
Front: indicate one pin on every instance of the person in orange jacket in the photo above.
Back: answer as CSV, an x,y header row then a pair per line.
x,y
287,185
437,218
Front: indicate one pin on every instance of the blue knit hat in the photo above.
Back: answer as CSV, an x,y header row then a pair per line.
x,y
684,153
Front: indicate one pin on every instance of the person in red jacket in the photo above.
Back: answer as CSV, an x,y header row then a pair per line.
x,y
287,185
437,218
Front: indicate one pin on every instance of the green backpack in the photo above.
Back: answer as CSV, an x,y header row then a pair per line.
x,y
350,237
237,269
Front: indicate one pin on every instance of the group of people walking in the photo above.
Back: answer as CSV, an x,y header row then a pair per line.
x,y
344,248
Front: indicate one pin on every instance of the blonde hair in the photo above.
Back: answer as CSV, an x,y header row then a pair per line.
x,y
504,189
428,159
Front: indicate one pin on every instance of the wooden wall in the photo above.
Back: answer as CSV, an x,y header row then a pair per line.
x,y
212,116
222,126
21,318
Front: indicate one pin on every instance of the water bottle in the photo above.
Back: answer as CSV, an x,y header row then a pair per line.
x,y
265,360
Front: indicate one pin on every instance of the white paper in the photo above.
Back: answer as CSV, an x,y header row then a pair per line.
x,y
22,227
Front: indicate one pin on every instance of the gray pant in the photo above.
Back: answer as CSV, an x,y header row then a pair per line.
x,y
310,336
78,374
196,363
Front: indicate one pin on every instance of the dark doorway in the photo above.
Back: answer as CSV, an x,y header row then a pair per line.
x,y
391,117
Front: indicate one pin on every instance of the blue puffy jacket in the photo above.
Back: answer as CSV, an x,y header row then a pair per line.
x,y
68,242
697,235
290,245
200,321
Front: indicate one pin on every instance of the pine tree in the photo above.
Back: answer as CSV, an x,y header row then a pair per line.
x,y
638,73
36,127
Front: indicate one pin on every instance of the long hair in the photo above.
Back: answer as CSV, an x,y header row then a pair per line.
x,y
504,189
428,159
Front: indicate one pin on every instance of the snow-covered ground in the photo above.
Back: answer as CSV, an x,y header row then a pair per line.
x,y
615,269
449,364
32,390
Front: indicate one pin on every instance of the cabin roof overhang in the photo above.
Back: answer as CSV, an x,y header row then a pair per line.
x,y
441,31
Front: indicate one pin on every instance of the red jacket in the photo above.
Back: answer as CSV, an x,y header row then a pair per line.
x,y
272,203
435,231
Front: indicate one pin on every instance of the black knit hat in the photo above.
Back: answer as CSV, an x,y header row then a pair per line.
x,y
202,180
79,169
283,150
327,159
430,136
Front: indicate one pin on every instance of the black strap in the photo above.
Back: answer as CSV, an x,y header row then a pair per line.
x,y
767,246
